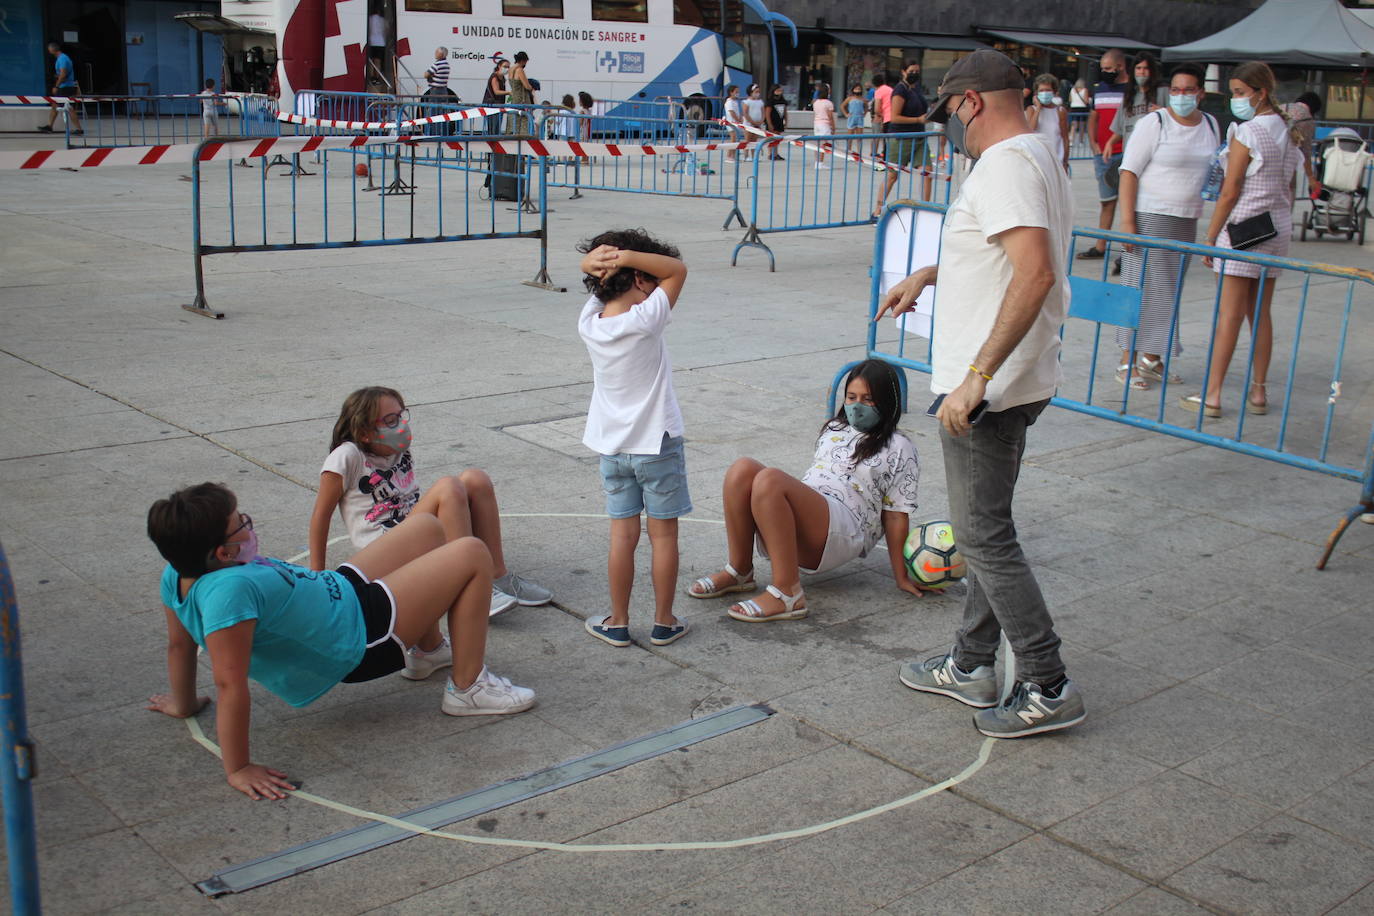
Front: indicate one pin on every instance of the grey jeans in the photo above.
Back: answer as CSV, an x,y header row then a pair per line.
x,y
980,474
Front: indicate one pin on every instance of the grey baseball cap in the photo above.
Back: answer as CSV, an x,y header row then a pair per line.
x,y
982,71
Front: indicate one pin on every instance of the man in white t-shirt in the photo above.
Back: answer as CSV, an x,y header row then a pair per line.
x,y
1002,295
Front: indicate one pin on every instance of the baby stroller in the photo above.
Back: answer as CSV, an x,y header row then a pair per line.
x,y
1342,206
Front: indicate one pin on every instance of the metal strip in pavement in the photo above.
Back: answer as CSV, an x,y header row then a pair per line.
x,y
362,839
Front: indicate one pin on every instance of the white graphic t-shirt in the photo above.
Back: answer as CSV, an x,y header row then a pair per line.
x,y
885,482
379,492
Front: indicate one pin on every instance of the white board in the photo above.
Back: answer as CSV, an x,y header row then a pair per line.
x,y
911,241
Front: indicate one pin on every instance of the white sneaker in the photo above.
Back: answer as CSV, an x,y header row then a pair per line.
x,y
489,695
421,664
500,602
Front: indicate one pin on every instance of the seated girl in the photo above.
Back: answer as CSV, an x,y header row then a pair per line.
x,y
298,631
369,477
860,486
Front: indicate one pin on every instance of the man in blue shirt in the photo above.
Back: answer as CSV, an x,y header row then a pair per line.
x,y
63,85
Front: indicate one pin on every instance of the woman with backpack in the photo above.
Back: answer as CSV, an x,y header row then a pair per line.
x,y
1162,174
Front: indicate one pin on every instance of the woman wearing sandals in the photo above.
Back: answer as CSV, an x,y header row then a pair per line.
x,y
861,486
1261,162
1162,174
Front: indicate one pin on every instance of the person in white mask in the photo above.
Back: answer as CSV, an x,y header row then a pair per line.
x,y
1162,174
1254,213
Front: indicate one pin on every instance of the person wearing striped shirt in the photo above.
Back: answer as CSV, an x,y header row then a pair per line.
x,y
438,91
437,74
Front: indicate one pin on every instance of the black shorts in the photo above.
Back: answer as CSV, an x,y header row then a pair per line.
x,y
384,654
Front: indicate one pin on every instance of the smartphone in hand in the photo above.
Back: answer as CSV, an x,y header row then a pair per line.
x,y
974,415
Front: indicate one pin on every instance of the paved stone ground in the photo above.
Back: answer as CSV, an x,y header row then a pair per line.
x,y
1227,763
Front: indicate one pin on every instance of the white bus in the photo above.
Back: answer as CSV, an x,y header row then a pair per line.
x,y
614,49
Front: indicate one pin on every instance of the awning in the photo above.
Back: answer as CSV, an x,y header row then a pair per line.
x,y
218,25
905,40
1068,39
1291,33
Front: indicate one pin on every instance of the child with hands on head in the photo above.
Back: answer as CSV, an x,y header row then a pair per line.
x,y
369,477
633,421
861,486
298,631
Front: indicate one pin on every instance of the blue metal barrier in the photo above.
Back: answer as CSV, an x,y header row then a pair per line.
x,y
17,766
819,185
1080,144
456,202
166,119
1324,424
711,174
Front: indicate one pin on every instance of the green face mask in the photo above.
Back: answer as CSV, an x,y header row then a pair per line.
x,y
863,417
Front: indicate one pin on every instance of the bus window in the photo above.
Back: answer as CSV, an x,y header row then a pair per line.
x,y
439,6
547,9
737,56
620,10
687,12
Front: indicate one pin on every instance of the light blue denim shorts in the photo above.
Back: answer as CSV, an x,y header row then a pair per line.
x,y
656,484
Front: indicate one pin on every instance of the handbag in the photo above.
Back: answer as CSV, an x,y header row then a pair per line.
x,y
1248,233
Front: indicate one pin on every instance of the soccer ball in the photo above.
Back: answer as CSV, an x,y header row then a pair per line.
x,y
930,555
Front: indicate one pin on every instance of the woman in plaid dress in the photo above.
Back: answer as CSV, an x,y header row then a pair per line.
x,y
1261,162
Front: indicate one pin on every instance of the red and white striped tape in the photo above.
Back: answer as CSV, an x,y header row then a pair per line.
x,y
829,149
464,115
185,153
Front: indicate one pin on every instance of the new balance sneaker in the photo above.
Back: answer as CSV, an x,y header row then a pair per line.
x,y
421,664
1029,711
939,674
527,593
489,695
500,602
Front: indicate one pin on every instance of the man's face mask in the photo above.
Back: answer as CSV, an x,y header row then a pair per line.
x,y
955,129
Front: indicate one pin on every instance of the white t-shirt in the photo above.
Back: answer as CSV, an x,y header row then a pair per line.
x,y
633,402
1171,161
379,492
732,111
886,481
1277,128
1016,183
824,116
754,109
209,104
1047,126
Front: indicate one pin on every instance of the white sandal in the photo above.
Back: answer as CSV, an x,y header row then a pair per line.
x,y
750,612
1138,381
705,587
1153,369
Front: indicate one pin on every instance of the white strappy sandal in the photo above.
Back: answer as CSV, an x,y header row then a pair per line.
x,y
750,612
706,588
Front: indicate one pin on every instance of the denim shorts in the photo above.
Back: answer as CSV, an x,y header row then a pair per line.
x,y
1105,192
656,484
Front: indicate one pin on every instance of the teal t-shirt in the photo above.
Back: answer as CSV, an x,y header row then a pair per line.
x,y
309,633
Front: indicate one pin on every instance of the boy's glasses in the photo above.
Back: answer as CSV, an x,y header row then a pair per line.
x,y
245,521
393,420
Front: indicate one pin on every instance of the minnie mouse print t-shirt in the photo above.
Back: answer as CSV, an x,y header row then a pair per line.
x,y
379,491
885,482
